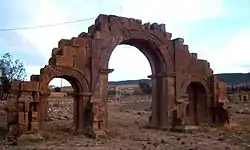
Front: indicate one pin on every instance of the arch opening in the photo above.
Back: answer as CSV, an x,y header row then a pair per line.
x,y
149,49
129,89
78,92
197,104
158,66
61,109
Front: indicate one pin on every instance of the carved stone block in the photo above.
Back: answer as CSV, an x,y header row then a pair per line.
x,y
25,97
29,86
65,61
34,77
55,51
154,26
98,111
146,26
15,86
34,116
162,28
26,117
21,117
69,51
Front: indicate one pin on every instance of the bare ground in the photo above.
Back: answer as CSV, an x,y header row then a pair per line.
x,y
126,120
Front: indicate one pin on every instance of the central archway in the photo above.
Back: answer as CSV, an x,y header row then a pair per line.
x,y
127,97
161,62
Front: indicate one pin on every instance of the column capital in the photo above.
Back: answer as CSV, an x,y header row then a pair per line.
x,y
106,71
162,75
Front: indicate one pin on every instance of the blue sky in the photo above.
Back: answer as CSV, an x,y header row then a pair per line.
x,y
218,30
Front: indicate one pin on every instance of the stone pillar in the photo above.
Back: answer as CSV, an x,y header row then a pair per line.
x,y
100,118
43,108
163,100
12,118
24,109
75,111
100,106
171,95
182,105
153,120
80,114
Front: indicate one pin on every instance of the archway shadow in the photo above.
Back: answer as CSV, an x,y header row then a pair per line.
x,y
197,108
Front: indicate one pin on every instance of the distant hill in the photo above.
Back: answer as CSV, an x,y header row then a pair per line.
x,y
229,78
234,78
126,82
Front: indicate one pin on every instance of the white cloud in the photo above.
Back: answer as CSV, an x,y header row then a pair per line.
x,y
177,15
233,56
45,39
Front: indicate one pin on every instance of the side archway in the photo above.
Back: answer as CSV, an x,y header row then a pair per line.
x,y
198,98
72,75
153,46
81,94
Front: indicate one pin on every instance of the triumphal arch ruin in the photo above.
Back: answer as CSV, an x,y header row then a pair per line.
x,y
184,87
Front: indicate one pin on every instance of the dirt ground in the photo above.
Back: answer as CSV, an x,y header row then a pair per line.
x,y
127,132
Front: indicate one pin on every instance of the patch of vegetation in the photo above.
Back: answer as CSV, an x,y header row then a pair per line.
x,y
10,69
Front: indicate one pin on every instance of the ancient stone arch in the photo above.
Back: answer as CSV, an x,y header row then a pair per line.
x,y
83,61
75,77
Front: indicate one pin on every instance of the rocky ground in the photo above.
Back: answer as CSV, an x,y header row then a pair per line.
x,y
126,120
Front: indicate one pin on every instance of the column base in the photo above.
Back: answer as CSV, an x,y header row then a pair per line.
x,y
101,134
152,125
87,133
93,134
185,128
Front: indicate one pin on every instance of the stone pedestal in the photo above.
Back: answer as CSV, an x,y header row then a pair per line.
x,y
185,128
